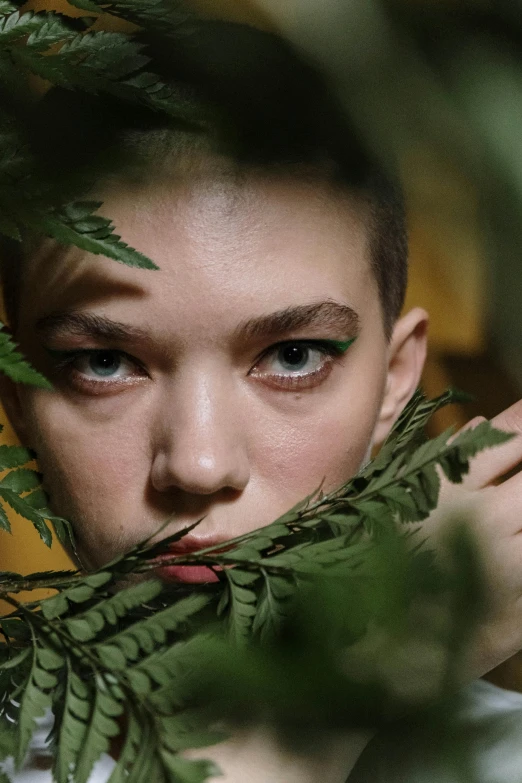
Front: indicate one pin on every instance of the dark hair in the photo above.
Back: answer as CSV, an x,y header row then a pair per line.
x,y
260,107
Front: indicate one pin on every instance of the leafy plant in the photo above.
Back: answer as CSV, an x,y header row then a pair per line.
x,y
67,53
51,46
150,661
16,367
309,615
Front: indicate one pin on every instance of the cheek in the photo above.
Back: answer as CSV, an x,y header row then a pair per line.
x,y
90,470
323,438
311,448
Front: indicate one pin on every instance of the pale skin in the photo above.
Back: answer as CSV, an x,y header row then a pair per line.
x,y
199,421
180,399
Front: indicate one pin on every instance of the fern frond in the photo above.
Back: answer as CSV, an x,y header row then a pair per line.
x,y
147,635
159,15
241,604
104,62
102,726
14,365
20,489
36,698
72,715
95,652
43,29
76,224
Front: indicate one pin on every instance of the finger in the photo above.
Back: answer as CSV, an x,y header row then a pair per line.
x,y
470,425
505,505
449,492
491,464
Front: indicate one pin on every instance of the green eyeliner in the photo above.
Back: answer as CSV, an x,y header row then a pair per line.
x,y
342,345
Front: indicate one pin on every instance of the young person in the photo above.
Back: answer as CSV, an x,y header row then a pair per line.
x,y
265,356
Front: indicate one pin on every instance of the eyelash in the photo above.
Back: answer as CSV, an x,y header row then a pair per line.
x,y
64,365
331,351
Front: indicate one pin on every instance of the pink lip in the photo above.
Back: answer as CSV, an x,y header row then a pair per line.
x,y
189,574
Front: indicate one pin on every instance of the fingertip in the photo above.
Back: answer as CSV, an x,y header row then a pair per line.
x,y
510,420
472,423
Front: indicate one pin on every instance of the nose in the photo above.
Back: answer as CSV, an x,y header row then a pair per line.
x,y
200,444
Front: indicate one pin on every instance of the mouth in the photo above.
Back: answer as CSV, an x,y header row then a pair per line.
x,y
188,547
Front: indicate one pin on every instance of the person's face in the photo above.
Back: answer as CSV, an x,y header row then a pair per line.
x,y
216,387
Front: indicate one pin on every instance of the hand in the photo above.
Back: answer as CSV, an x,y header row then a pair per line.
x,y
494,508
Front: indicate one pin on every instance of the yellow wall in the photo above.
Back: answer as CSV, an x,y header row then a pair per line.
x,y
23,551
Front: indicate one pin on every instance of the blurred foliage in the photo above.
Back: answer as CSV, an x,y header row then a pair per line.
x,y
434,87
333,617
440,75
376,627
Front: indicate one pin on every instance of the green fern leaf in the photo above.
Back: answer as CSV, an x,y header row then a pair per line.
x,y
43,29
14,26
402,504
15,661
21,480
134,738
4,521
100,654
37,500
481,437
13,364
72,725
26,511
242,607
147,765
272,606
52,29
160,15
101,728
36,699
408,431
113,54
6,8
77,225
88,625
59,604
87,62
146,635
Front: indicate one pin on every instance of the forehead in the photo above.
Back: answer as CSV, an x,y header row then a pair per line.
x,y
226,245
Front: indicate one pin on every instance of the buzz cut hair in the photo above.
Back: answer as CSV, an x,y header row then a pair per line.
x,y
262,109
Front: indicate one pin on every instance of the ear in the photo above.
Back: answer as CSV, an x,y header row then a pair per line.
x,y
406,357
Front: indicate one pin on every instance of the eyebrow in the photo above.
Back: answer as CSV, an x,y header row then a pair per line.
x,y
87,324
329,315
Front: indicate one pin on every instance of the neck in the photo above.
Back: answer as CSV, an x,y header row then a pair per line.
x,y
255,756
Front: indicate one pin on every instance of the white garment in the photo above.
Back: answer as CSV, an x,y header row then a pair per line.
x,y
488,725
485,733
37,765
